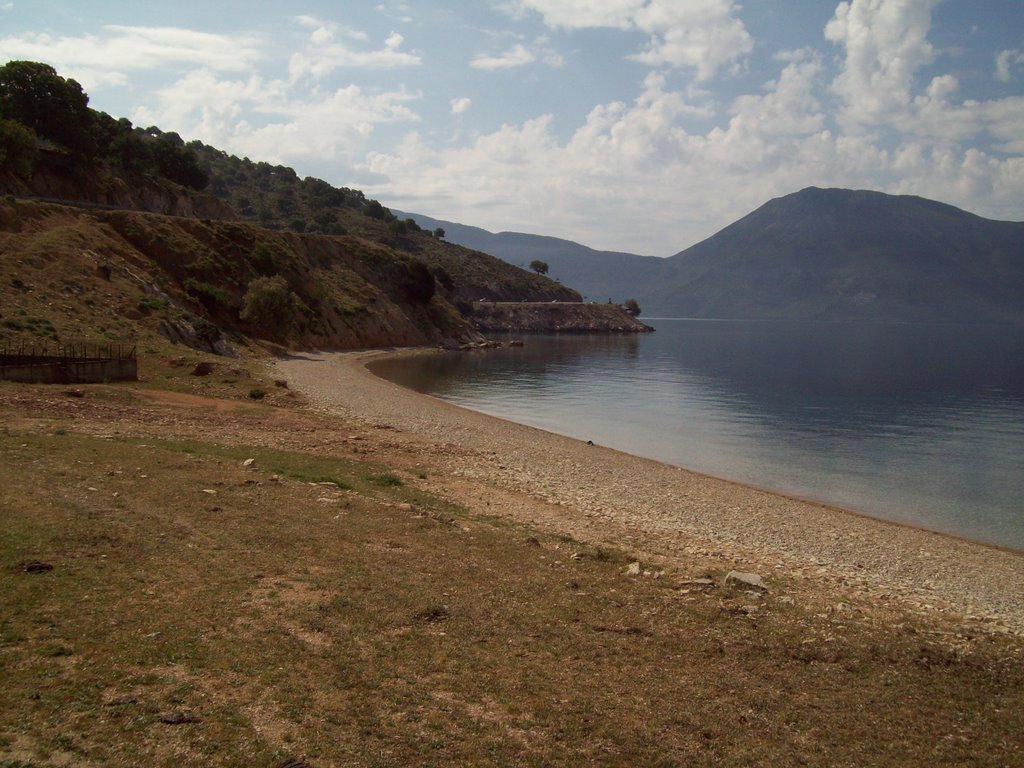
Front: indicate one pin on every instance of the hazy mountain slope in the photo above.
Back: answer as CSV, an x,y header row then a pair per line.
x,y
843,254
831,254
598,275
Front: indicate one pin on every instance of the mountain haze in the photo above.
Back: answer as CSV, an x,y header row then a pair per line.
x,y
597,275
828,254
840,254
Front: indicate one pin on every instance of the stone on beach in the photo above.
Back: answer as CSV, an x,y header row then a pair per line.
x,y
742,577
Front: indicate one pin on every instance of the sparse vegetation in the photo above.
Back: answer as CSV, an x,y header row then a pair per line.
x,y
212,296
419,282
262,586
18,150
270,305
296,601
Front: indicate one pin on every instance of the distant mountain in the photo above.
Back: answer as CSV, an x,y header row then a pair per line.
x,y
831,254
840,254
598,275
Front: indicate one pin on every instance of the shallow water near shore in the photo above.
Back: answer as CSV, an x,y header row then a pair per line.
x,y
919,424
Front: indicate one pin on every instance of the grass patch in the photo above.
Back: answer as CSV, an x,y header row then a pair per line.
x,y
208,294
346,474
387,480
148,304
220,617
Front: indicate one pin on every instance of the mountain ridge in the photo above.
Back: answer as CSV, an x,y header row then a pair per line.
x,y
589,271
815,254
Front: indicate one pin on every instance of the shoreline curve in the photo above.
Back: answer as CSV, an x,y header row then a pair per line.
x,y
692,511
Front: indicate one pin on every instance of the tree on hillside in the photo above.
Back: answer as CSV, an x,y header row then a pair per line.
x,y
269,305
419,282
375,210
17,148
538,266
439,233
56,109
177,162
632,307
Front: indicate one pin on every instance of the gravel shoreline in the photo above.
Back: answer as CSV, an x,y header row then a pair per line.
x,y
603,494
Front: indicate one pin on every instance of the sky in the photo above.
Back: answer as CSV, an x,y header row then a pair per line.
x,y
642,126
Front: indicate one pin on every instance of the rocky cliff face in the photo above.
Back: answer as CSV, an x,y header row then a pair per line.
x,y
554,317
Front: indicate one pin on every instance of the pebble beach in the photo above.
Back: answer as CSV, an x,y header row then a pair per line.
x,y
676,516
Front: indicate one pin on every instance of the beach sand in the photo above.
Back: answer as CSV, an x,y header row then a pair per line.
x,y
671,517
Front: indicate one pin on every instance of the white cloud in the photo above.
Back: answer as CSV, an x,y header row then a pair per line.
x,y
1004,120
325,52
323,129
633,177
650,174
1005,62
109,58
617,165
324,30
578,14
704,35
294,123
885,41
215,101
517,56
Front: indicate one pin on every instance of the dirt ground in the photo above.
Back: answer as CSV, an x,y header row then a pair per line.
x,y
343,573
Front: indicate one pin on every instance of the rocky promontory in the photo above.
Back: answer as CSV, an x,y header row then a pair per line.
x,y
554,317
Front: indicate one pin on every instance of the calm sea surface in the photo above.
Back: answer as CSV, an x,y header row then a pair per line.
x,y
918,424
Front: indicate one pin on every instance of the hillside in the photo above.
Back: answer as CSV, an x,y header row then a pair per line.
x,y
277,199
830,254
108,231
130,275
555,317
597,275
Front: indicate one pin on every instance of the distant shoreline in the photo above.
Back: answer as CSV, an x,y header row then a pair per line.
x,y
602,486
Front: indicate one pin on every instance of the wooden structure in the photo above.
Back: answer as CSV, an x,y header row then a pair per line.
x,y
69,363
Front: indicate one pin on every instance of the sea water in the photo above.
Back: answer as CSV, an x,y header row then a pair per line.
x,y
919,424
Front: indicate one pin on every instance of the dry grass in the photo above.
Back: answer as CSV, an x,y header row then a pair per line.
x,y
319,606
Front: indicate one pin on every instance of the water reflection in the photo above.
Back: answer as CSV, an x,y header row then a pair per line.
x,y
922,424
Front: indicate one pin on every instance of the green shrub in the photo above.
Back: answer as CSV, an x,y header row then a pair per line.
x,y
266,259
206,331
209,295
418,282
18,149
149,304
269,305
